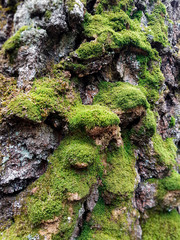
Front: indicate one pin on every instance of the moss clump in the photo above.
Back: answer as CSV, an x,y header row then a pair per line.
x,y
112,30
120,96
19,230
149,123
44,210
47,95
78,153
106,22
172,182
61,181
147,127
172,122
162,226
11,46
150,77
71,4
47,15
74,67
105,225
7,88
91,116
115,5
164,185
120,178
90,50
165,150
156,24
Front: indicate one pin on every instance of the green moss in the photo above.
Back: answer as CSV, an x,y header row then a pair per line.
x,y
44,210
150,77
19,230
149,123
48,15
66,226
172,122
24,107
162,226
47,95
147,127
104,225
172,182
112,30
60,180
70,4
91,116
120,178
120,96
156,24
79,152
89,50
11,46
116,6
165,185
74,67
165,150
137,15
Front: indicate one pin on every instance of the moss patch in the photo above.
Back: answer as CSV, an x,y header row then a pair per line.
x,y
105,225
79,152
147,127
91,116
111,30
11,46
153,230
150,77
47,95
60,180
165,150
156,24
172,122
120,96
172,182
120,178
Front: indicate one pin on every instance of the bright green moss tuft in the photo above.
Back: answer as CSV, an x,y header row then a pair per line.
x,y
14,42
165,150
78,153
24,107
172,182
90,50
148,125
105,225
44,210
120,178
91,116
172,122
47,95
150,76
61,180
11,46
112,30
167,184
156,24
162,226
116,6
120,95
